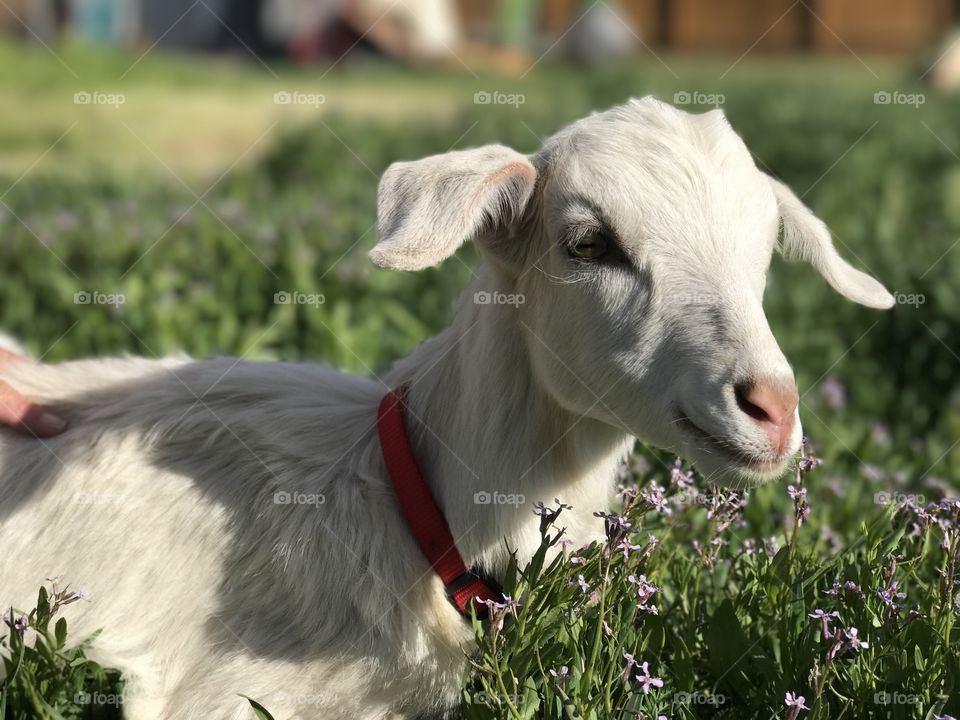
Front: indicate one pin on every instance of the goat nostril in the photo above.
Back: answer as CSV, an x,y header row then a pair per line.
x,y
771,404
767,401
743,392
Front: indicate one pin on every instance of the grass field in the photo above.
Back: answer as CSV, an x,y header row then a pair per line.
x,y
198,198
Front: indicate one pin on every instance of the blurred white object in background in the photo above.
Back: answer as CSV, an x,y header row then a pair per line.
x,y
604,34
944,72
430,28
410,30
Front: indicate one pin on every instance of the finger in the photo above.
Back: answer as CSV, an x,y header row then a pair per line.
x,y
8,358
21,414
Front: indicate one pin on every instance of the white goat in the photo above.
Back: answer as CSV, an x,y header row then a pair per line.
x,y
638,240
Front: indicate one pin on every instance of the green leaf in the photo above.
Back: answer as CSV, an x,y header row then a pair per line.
x,y
729,648
43,609
259,711
531,700
60,632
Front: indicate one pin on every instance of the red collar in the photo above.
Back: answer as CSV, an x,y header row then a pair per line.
x,y
422,513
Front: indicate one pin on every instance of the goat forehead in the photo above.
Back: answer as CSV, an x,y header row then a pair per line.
x,y
647,154
659,189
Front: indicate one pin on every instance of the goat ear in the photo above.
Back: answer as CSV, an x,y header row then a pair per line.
x,y
806,237
428,208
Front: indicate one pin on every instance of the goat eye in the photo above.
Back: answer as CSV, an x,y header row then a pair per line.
x,y
590,248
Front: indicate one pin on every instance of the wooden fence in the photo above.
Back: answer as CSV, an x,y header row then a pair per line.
x,y
870,26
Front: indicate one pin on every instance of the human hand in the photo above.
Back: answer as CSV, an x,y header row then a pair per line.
x,y
20,412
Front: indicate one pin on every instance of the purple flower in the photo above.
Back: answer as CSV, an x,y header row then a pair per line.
x,y
646,680
794,704
508,604
880,434
825,618
630,663
645,589
890,596
849,586
678,477
656,500
616,528
562,676
853,640
791,700
834,393
808,461
801,509
21,624
583,584
74,596
540,509
548,515
627,548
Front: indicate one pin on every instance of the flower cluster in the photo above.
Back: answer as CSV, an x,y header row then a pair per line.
x,y
645,591
56,599
643,679
548,516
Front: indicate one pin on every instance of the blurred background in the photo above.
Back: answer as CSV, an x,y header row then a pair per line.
x,y
200,176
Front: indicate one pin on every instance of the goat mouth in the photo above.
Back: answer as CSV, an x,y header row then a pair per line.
x,y
764,464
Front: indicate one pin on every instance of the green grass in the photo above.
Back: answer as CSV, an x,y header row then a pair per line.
x,y
102,213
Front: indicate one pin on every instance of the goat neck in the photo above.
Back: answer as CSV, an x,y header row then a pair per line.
x,y
490,440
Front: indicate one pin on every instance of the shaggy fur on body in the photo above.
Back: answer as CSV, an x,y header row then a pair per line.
x,y
233,520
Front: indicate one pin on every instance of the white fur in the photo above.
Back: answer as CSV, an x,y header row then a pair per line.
x,y
160,499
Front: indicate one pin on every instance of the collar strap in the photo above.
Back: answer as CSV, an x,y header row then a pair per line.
x,y
422,514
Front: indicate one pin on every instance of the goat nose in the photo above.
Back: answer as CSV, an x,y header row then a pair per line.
x,y
771,403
